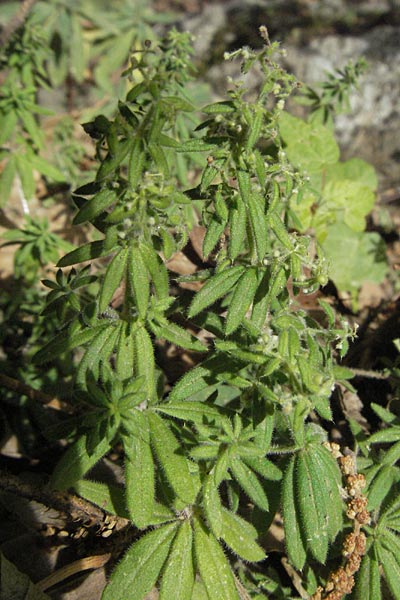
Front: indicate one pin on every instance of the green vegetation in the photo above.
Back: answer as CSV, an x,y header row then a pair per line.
x,y
210,458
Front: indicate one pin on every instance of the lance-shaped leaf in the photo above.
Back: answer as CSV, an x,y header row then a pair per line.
x,y
330,476
94,207
179,574
391,569
170,457
65,341
197,412
176,335
258,222
86,252
237,222
139,481
261,299
293,539
100,350
156,269
108,497
216,287
214,231
76,462
313,502
213,566
280,230
243,295
125,353
139,569
210,173
212,504
249,482
224,107
112,278
368,584
196,145
241,537
144,362
139,280
137,159
206,375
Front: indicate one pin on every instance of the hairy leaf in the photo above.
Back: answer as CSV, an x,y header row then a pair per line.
x,y
179,574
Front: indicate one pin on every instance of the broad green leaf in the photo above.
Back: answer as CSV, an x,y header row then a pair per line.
x,y
89,251
139,481
245,289
212,504
348,201
240,536
108,497
176,335
293,538
354,169
139,280
94,207
309,146
112,278
213,566
139,569
354,257
312,499
249,482
171,459
179,575
215,288
76,462
144,362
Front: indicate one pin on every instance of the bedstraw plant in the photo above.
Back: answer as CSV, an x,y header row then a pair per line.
x,y
212,458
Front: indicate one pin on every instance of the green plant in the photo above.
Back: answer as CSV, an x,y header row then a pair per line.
x,y
337,196
211,458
